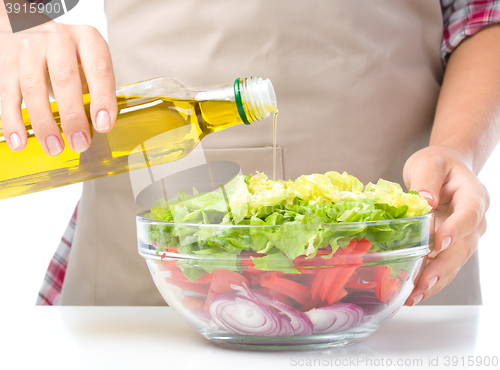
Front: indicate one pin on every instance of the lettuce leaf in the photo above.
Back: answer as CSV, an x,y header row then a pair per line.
x,y
298,212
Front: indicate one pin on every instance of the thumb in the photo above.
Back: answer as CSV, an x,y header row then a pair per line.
x,y
425,174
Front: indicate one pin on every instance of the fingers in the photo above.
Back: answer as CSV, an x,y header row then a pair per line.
x,y
426,175
96,62
51,59
33,81
469,204
442,176
442,269
67,88
13,128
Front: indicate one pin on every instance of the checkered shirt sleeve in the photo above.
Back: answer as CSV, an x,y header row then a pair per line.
x,y
54,278
464,18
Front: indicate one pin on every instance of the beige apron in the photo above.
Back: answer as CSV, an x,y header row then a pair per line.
x,y
356,81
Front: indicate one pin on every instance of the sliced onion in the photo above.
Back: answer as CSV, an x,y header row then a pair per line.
x,y
335,318
368,301
300,323
243,316
286,328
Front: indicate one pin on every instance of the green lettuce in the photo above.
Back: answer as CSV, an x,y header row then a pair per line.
x,y
298,215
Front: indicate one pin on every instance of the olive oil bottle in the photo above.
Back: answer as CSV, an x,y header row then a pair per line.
x,y
160,119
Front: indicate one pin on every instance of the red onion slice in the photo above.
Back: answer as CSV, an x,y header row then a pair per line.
x,y
301,324
368,301
245,317
335,318
299,321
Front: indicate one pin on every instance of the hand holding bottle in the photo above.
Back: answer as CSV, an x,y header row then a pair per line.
x,y
67,59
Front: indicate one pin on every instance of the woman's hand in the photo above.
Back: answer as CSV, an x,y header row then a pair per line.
x,y
50,54
442,176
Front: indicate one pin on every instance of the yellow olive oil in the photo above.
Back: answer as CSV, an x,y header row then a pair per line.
x,y
275,123
151,128
186,122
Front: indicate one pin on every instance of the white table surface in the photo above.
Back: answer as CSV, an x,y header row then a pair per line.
x,y
155,337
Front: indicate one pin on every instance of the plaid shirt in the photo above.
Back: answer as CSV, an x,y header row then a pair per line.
x,y
52,283
462,18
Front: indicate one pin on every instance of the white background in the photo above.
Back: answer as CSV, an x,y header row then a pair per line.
x,y
31,226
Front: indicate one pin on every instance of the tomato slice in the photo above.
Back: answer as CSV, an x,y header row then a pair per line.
x,y
403,275
391,290
211,294
296,291
195,287
290,284
312,303
388,287
333,292
168,266
279,296
322,286
362,286
177,275
342,294
318,286
192,304
222,280
304,278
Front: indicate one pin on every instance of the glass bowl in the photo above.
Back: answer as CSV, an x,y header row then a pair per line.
x,y
248,300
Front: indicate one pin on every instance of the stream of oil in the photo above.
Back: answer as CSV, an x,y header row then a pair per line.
x,y
275,122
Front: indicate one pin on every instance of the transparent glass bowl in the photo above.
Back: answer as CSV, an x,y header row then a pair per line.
x,y
309,303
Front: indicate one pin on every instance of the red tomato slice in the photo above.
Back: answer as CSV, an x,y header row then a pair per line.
x,y
195,287
279,296
323,281
312,303
403,275
210,296
303,278
168,266
391,290
332,295
177,275
362,286
192,304
342,294
204,279
290,284
388,287
222,280
356,255
285,288
363,245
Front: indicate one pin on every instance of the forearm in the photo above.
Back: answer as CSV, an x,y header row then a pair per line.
x,y
468,112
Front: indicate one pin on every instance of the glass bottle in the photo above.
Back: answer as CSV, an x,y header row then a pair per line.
x,y
161,116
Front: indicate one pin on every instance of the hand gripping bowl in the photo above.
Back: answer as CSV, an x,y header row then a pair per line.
x,y
266,302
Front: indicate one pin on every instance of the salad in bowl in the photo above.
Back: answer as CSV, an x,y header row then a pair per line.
x,y
315,262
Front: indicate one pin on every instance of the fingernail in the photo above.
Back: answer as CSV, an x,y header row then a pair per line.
x,y
417,299
53,145
15,141
102,121
445,243
432,281
426,194
79,140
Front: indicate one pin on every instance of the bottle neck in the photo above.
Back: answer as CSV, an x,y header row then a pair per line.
x,y
255,98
